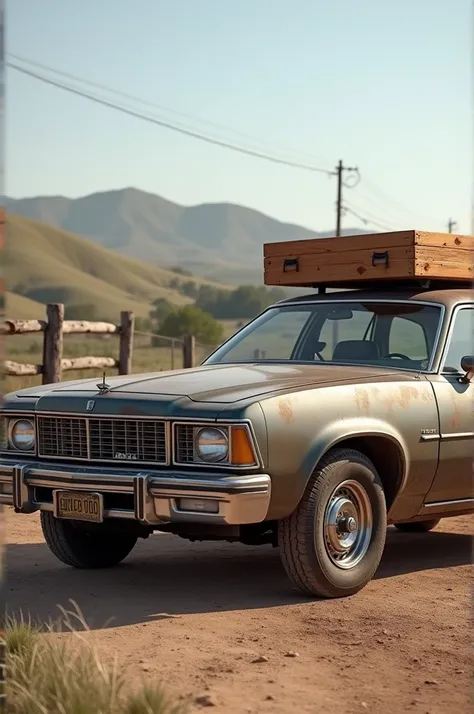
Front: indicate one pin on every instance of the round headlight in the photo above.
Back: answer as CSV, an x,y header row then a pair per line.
x,y
22,435
211,445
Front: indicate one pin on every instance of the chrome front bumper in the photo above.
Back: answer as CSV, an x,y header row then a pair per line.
x,y
150,497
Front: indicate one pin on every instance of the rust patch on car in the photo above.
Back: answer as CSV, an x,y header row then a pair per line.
x,y
456,416
285,410
362,400
404,396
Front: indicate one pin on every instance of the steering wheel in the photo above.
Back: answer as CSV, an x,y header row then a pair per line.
x,y
397,354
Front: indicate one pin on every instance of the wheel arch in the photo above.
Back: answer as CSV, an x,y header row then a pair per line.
x,y
380,443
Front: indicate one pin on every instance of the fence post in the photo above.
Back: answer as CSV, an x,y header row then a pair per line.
x,y
53,344
189,351
127,326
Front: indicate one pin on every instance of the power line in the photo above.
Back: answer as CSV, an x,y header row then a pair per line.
x,y
384,197
367,221
391,214
166,124
378,218
145,102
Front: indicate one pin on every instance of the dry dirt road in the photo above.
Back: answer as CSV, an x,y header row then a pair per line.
x,y
197,616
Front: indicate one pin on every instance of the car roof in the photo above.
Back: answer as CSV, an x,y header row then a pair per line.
x,y
448,297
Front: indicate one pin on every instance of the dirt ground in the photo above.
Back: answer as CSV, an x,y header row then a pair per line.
x,y
197,616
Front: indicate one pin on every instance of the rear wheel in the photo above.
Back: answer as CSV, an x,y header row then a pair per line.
x,y
418,526
332,543
76,545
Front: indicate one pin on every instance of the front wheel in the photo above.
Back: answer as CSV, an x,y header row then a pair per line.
x,y
418,526
331,545
75,545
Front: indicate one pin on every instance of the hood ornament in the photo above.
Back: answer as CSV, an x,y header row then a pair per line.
x,y
103,387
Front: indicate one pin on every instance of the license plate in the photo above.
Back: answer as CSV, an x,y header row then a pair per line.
x,y
79,506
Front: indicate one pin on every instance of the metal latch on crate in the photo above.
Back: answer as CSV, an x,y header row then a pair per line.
x,y
291,265
380,258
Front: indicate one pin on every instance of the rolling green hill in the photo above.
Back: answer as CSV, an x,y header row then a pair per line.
x,y
46,264
209,239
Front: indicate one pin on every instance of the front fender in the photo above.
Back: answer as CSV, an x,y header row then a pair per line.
x,y
303,426
335,433
287,492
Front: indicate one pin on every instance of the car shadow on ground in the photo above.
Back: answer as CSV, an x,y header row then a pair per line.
x,y
166,576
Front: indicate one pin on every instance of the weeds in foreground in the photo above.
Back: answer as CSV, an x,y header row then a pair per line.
x,y
49,673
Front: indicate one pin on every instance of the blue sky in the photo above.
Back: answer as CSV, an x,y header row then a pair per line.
x,y
383,84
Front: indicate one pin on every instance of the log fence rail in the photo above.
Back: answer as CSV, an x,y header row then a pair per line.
x,y
55,327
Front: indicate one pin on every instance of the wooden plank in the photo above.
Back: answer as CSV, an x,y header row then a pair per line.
x,y
446,255
397,269
88,363
439,270
358,257
373,241
22,327
448,240
85,327
17,369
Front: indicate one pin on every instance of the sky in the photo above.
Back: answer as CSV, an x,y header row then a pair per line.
x,y
384,85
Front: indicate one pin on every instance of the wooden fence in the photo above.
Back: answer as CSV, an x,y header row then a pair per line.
x,y
55,327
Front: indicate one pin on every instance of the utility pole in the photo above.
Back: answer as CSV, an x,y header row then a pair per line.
x,y
452,225
340,168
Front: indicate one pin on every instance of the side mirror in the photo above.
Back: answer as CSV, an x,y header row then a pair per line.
x,y
467,366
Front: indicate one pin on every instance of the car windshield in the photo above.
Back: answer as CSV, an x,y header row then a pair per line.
x,y
390,333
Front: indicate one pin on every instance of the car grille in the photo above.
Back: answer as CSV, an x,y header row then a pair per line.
x,y
103,439
184,443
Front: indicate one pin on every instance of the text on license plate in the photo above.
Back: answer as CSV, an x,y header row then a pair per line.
x,y
78,505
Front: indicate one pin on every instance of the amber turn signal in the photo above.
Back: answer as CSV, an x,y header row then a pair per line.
x,y
241,447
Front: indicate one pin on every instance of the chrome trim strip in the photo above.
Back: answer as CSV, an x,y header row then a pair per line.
x,y
430,437
459,435
434,504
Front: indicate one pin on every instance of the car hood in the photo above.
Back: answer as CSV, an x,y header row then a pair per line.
x,y
223,384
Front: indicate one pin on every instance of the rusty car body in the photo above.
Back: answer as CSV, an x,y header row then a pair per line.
x,y
327,418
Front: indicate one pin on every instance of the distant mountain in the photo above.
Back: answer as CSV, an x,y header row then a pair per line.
x,y
209,239
47,264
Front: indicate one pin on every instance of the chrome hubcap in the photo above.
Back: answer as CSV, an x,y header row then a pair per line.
x,y
348,524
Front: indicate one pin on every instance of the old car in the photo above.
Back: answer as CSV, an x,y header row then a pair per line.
x,y
322,421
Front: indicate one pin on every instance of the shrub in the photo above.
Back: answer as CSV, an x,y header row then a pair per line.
x,y
190,320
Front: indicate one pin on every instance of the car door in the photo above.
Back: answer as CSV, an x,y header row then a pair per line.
x,y
453,480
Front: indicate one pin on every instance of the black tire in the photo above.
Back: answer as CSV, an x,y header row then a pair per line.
x,y
302,537
418,526
74,545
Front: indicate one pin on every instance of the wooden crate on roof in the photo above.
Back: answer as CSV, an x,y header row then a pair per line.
x,y
363,260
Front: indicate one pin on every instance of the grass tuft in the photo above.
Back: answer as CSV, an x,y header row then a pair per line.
x,y
52,673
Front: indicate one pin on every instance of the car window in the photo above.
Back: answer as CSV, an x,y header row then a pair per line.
x,y
407,337
275,337
461,340
335,331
